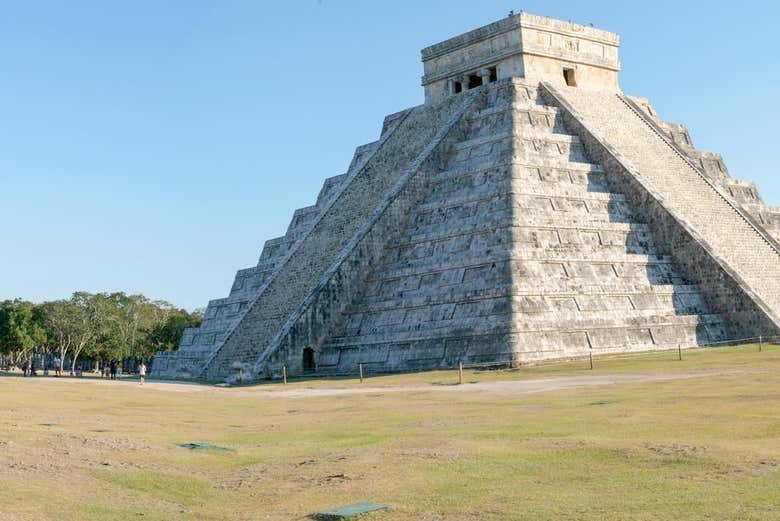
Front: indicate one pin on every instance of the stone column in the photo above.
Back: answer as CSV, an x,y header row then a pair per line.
x,y
485,73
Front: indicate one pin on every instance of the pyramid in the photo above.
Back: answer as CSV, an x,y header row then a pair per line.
x,y
528,210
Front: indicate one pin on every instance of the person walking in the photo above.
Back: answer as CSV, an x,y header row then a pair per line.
x,y
112,369
142,372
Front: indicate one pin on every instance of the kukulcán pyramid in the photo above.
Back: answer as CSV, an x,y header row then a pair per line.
x,y
529,210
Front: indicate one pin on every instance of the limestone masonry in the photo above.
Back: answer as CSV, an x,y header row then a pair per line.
x,y
529,210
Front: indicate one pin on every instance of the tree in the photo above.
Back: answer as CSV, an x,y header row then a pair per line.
x,y
166,336
126,323
60,318
21,328
87,314
103,325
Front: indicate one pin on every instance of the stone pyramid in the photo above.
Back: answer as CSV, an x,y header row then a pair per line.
x,y
529,210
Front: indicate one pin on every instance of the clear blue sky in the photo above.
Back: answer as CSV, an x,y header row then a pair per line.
x,y
153,147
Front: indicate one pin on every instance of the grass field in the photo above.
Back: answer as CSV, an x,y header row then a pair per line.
x,y
550,442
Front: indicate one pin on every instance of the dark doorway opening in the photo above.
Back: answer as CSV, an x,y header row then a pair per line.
x,y
568,75
458,87
308,359
474,81
493,74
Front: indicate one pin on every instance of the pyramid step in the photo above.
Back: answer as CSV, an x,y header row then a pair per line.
x,y
546,298
456,269
614,286
527,136
573,220
401,334
330,187
597,256
594,272
432,293
555,162
564,344
457,172
469,144
552,194
568,189
463,234
488,122
586,179
274,249
443,201
545,231
574,172
598,330
426,231
601,227
573,168
591,207
585,201
499,109
302,220
595,251
594,319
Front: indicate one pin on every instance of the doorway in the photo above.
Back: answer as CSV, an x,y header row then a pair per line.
x,y
308,359
568,75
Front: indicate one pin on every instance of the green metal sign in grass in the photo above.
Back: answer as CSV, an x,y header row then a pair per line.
x,y
350,511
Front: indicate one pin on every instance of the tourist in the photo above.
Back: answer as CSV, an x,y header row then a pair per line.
x,y
25,366
57,366
112,369
142,372
33,368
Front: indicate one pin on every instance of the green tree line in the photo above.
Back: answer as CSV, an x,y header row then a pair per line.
x,y
104,326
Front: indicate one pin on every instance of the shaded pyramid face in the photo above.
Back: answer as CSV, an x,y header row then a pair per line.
x,y
512,223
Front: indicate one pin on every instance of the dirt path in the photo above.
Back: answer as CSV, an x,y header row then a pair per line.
x,y
529,386
539,385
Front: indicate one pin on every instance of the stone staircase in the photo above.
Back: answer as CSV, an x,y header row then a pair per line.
x,y
223,315
305,264
733,239
743,192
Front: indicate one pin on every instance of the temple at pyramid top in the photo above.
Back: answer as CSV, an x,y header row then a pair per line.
x,y
522,46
